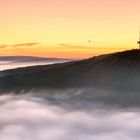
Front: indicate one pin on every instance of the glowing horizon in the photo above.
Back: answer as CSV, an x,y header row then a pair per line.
x,y
68,28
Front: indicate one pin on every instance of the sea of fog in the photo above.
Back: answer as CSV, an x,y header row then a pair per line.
x,y
4,65
36,116
27,117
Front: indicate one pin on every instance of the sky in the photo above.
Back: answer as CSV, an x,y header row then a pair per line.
x,y
68,28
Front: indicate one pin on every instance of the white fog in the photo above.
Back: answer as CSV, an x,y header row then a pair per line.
x,y
26,117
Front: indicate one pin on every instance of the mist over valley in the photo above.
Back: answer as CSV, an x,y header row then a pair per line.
x,y
97,98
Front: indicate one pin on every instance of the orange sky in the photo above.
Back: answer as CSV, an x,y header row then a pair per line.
x,y
63,28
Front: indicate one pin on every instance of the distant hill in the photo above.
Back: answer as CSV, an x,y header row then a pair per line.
x,y
28,59
119,71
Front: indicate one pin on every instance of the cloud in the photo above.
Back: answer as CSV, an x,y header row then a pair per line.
x,y
26,117
19,45
91,45
67,44
73,46
3,46
25,44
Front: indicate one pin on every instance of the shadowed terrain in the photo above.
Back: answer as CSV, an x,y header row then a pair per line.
x,y
117,70
111,78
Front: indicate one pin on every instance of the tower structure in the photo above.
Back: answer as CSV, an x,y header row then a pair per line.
x,y
138,42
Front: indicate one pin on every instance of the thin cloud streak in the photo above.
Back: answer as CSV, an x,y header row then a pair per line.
x,y
26,44
19,45
90,47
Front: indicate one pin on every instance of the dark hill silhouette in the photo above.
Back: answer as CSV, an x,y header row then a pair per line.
x,y
28,59
117,71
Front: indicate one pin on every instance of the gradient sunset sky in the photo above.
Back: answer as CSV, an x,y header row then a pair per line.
x,y
68,28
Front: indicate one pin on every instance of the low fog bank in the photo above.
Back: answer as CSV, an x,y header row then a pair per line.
x,y
28,117
11,65
5,65
83,96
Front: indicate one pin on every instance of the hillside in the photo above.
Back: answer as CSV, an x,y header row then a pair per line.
x,y
116,71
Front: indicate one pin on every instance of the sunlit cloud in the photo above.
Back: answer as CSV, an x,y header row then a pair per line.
x,y
25,44
91,46
3,46
60,50
19,45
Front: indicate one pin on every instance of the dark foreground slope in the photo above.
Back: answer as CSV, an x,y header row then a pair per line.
x,y
117,71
